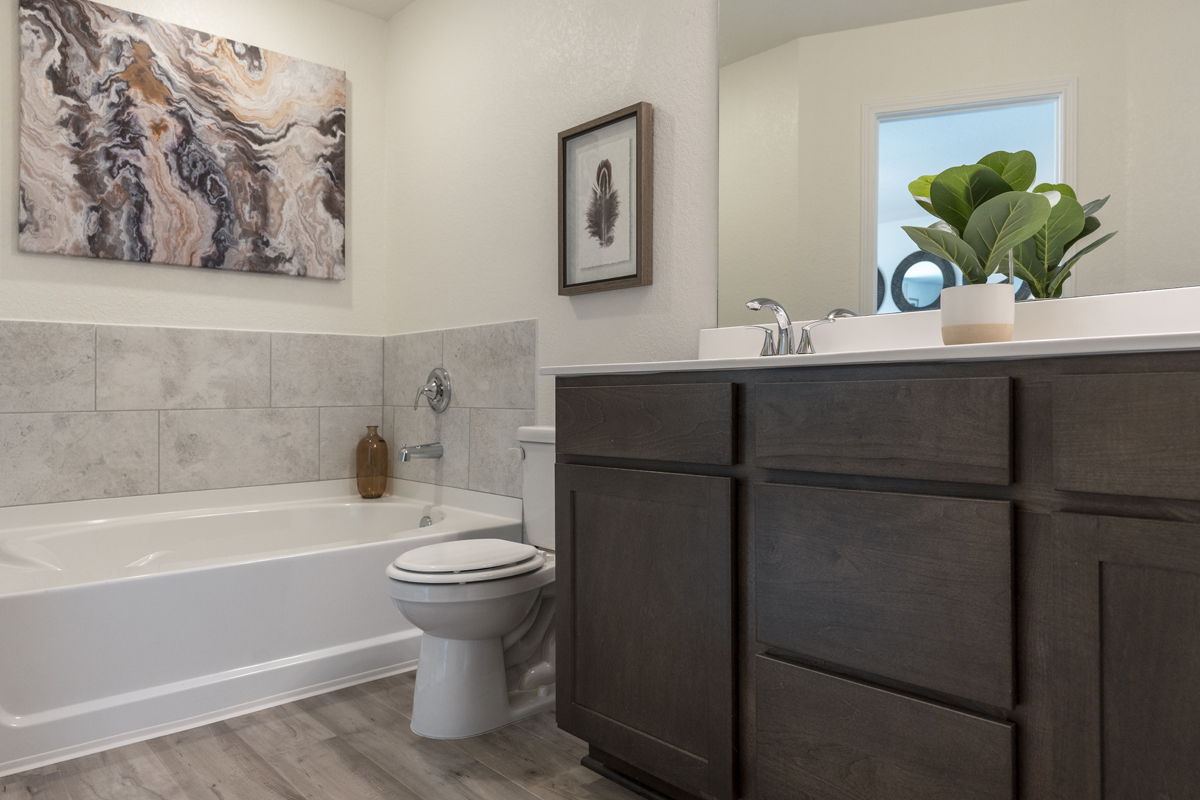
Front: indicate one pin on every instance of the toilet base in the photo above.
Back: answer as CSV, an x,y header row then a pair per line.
x,y
462,691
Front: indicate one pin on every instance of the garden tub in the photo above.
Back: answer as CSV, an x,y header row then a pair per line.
x,y
124,619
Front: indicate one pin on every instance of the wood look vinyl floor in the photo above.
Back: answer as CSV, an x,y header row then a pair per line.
x,y
345,745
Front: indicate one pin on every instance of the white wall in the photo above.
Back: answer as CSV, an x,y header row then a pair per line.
x,y
40,287
1139,125
477,93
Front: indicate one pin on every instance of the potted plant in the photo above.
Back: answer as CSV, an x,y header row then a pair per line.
x,y
988,220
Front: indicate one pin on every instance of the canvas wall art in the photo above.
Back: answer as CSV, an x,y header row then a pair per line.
x,y
605,199
151,142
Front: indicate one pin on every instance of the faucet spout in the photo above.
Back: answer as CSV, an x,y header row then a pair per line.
x,y
410,452
784,347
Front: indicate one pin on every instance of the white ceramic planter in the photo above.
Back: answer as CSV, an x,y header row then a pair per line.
x,y
978,313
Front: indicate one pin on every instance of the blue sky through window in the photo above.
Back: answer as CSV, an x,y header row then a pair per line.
x,y
925,145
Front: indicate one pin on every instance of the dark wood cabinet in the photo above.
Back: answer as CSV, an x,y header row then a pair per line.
x,y
824,737
975,580
1124,598
645,641
908,587
956,429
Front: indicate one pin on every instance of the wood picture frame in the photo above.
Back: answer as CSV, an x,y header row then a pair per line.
x,y
603,217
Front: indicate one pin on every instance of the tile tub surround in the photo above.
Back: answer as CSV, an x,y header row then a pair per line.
x,y
93,411
492,377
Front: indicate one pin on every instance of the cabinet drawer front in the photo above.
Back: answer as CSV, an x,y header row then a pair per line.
x,y
912,588
690,423
957,429
821,736
1128,434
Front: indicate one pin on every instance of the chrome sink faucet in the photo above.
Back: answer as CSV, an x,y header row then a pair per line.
x,y
433,450
782,347
806,346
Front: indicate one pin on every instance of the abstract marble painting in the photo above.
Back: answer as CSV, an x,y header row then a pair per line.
x,y
146,141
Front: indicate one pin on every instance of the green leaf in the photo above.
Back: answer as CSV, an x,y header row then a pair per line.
x,y
1025,258
1061,188
948,246
1034,285
1091,208
1002,223
925,204
1075,258
958,191
1054,287
1064,224
1017,169
1090,226
920,187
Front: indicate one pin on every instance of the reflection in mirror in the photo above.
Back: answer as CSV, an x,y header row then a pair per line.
x,y
830,107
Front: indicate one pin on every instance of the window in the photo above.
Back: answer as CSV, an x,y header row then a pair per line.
x,y
924,139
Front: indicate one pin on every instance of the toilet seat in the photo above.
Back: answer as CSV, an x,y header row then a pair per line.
x,y
466,561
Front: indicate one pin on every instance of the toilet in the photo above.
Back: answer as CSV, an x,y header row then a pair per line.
x,y
486,609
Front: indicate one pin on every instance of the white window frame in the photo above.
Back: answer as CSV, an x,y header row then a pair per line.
x,y
1063,91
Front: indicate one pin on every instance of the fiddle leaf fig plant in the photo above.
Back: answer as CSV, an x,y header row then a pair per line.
x,y
987,215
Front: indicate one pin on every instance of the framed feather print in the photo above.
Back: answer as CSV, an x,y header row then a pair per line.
x,y
605,202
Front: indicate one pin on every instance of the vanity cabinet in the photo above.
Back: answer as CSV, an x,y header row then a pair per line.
x,y
956,581
648,681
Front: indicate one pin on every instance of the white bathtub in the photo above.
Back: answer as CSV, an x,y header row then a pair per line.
x,y
129,618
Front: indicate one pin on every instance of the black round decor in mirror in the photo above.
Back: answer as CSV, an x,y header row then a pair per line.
x,y
924,291
880,289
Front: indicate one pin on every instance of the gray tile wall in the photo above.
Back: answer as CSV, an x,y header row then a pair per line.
x,y
493,370
90,411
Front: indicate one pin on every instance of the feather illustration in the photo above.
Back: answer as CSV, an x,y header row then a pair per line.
x,y
605,206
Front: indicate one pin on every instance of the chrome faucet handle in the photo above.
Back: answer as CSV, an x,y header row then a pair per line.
x,y
436,391
806,346
784,347
768,348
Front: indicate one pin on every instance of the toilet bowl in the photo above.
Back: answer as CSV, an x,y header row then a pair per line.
x,y
486,611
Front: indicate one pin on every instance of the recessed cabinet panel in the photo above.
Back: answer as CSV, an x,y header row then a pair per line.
x,y
909,587
690,423
822,736
957,429
1128,434
1138,583
645,643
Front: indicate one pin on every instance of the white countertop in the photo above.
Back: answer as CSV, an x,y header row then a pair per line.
x,y
1036,348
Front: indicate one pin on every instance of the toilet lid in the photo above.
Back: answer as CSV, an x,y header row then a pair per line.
x,y
469,576
465,555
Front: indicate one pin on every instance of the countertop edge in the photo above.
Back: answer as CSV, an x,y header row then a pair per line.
x,y
1036,348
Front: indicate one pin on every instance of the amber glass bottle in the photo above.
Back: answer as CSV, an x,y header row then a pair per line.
x,y
372,464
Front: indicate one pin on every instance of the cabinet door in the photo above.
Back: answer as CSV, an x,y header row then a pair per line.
x,y
1118,605
645,641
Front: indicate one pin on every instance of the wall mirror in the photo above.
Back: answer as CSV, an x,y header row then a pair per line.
x,y
829,108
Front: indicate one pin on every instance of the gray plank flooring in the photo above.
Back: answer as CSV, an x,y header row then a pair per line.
x,y
347,745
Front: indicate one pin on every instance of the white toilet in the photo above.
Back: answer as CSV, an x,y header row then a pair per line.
x,y
486,607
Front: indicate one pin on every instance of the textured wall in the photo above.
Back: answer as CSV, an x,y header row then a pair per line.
x,y
1138,123
39,287
477,93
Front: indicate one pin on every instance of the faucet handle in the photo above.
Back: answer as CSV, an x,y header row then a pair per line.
x,y
768,348
436,390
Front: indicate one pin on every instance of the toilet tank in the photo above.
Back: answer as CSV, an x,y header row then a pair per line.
x,y
537,490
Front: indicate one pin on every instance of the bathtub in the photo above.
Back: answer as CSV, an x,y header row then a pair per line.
x,y
125,619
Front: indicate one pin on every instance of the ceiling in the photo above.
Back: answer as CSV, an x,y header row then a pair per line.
x,y
752,26
384,9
